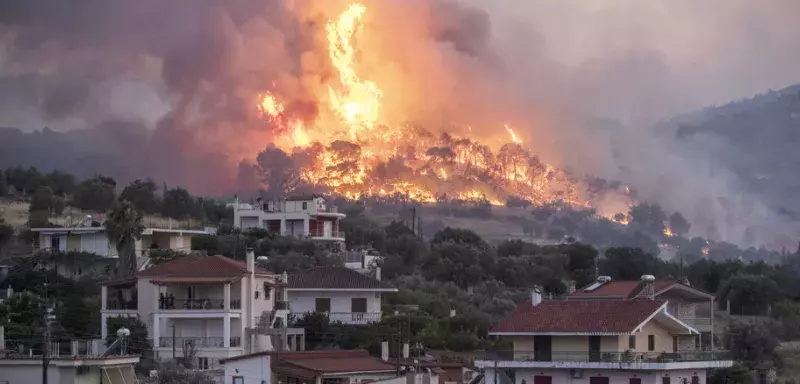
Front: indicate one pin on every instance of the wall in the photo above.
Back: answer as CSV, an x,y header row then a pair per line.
x,y
147,303
304,301
97,243
562,376
32,373
254,370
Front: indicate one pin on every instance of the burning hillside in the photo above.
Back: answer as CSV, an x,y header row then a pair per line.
x,y
348,148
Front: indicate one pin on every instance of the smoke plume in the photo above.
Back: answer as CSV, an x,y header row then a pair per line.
x,y
170,89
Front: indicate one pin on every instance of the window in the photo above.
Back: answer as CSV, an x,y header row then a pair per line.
x,y
651,342
55,243
305,205
665,380
202,363
635,381
256,293
358,305
267,291
695,379
322,304
632,342
238,380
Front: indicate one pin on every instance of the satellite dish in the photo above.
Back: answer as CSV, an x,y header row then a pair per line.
x,y
262,259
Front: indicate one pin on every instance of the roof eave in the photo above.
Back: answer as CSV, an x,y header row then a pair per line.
x,y
343,289
559,333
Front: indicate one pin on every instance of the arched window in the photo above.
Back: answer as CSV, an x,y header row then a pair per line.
x,y
305,205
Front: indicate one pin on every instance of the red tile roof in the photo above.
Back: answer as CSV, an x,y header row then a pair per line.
x,y
322,362
198,265
194,280
579,316
621,289
335,278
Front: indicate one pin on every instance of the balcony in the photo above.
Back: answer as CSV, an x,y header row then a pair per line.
x,y
199,342
345,317
117,305
315,233
197,304
617,360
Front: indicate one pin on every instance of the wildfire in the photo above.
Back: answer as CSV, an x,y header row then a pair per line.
x,y
514,138
705,251
358,155
668,232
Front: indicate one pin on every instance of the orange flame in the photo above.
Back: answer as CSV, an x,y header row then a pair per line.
x,y
514,137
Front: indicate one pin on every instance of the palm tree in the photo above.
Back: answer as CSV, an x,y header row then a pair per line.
x,y
124,227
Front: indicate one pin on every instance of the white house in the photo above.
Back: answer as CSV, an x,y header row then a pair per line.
x,y
635,341
302,216
201,308
310,367
16,369
343,294
95,240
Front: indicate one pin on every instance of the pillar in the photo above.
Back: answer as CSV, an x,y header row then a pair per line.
x,y
156,330
306,226
226,331
104,323
104,297
712,322
226,296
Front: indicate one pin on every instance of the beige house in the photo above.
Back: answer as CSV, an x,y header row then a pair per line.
x,y
634,341
203,308
690,305
95,240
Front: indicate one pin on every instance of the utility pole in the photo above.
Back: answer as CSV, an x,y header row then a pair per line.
x,y
46,348
399,344
173,342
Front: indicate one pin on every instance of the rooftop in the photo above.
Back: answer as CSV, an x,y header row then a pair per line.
x,y
199,265
580,317
628,289
311,363
336,278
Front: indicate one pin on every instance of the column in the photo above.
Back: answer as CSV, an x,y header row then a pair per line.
x,y
226,296
104,322
306,226
226,331
103,297
712,322
283,227
156,331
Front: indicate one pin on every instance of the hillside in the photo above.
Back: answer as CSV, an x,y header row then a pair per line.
x,y
757,139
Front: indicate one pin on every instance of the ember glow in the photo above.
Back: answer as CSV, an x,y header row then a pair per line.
x,y
355,152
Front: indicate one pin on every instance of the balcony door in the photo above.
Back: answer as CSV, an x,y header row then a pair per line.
x,y
358,306
322,304
542,348
594,348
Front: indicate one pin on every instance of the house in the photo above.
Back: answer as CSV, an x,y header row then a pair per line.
x,y
202,308
689,304
310,367
343,294
300,216
95,240
15,369
634,341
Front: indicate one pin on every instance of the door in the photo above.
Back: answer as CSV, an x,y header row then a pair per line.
x,y
542,348
322,304
635,381
327,228
599,380
594,348
542,380
358,307
674,344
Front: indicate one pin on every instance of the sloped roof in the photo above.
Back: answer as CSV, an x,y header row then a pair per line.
x,y
198,265
627,289
579,316
336,278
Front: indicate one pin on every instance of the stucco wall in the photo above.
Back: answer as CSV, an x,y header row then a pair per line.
x,y
305,301
254,370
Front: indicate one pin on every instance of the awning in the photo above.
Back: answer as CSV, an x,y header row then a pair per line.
x,y
195,280
120,374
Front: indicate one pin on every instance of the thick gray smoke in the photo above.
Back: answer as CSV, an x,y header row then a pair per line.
x,y
165,88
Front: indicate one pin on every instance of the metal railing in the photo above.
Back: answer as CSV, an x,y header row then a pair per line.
x,y
344,317
313,233
281,304
121,305
193,304
199,342
610,357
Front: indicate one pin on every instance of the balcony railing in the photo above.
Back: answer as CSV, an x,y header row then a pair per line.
x,y
342,317
610,357
198,342
281,304
314,233
697,321
121,305
195,304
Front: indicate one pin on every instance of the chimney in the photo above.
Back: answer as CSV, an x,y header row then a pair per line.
x,y
251,260
385,350
536,296
452,312
405,351
378,273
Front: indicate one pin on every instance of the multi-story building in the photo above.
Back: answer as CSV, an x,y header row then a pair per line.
x,y
202,308
303,216
690,305
343,294
95,240
635,341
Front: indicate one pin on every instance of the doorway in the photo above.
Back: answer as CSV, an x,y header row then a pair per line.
x,y
594,348
542,348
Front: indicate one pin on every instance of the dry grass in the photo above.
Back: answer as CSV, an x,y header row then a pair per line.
x,y
16,214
